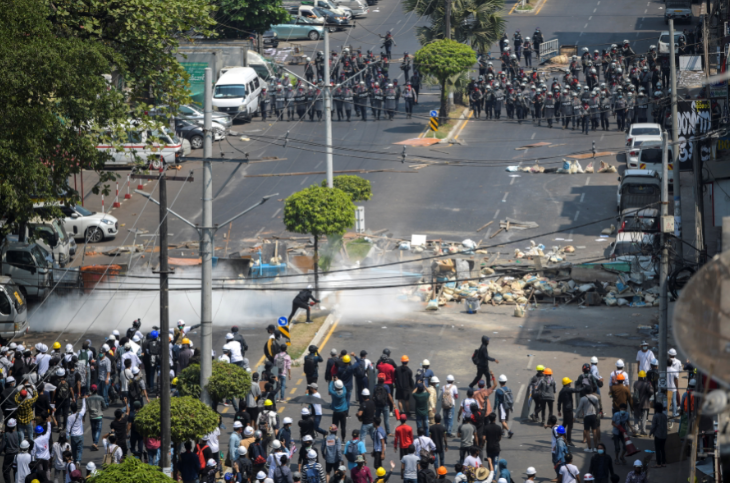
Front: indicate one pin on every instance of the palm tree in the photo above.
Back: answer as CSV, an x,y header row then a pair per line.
x,y
478,23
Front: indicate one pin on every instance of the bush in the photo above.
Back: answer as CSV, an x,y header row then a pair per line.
x,y
358,188
227,381
131,470
190,418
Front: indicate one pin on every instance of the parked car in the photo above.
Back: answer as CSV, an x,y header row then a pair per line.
x,y
333,18
664,41
81,223
298,28
140,145
194,113
191,132
271,39
638,189
237,93
637,248
643,129
646,220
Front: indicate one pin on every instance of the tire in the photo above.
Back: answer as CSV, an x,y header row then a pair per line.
x,y
94,234
155,164
313,35
331,30
196,142
275,45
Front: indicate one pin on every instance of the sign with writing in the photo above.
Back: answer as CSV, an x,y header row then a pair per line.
x,y
196,71
718,89
693,119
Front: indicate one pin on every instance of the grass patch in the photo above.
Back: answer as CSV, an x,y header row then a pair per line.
x,y
526,8
302,334
358,249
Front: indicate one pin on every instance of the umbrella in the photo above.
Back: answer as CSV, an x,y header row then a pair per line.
x,y
307,399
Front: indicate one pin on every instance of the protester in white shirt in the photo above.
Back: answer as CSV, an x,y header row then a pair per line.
x,y
75,429
619,370
131,355
41,447
423,442
235,348
111,447
213,443
674,367
22,462
569,472
644,357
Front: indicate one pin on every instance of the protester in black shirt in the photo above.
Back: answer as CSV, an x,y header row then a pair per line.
x,y
120,426
493,434
437,432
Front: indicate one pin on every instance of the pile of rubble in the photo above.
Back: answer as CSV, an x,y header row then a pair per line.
x,y
569,167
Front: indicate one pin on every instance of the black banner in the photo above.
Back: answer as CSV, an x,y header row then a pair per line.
x,y
693,119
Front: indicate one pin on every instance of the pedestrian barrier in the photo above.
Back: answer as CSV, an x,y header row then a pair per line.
x,y
102,204
128,195
116,203
549,49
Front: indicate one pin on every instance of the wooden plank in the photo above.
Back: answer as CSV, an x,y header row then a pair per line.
x,y
485,225
496,233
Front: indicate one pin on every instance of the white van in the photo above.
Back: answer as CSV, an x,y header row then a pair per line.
x,y
237,93
145,146
358,7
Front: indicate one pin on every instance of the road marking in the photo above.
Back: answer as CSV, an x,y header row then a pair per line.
x,y
539,333
294,389
585,26
276,213
399,21
588,180
581,34
464,124
539,9
601,137
529,362
582,197
496,214
589,18
512,181
300,381
304,180
259,232
513,8
533,135
318,165
281,410
645,11
327,337
637,33
224,410
520,393
504,200
598,3
575,218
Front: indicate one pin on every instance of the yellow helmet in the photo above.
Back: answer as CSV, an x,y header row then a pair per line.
x,y
642,373
56,345
174,382
346,359
186,341
380,472
540,368
268,403
566,381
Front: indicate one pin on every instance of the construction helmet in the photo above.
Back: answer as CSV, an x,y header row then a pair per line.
x,y
442,470
346,359
566,381
540,368
404,359
174,381
380,472
620,376
642,373
268,403
186,341
548,372
56,345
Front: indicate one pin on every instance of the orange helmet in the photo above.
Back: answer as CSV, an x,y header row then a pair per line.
x,y
186,341
404,359
548,372
442,470
620,377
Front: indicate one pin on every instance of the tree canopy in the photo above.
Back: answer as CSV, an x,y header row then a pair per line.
x,y
319,211
358,188
131,470
241,18
57,104
227,381
190,418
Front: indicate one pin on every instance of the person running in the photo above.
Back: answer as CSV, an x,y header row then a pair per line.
x,y
481,359
504,403
588,409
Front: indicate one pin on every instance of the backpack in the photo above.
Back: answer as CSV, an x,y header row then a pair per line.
x,y
588,383
63,390
311,474
199,450
507,398
257,453
427,476
424,453
279,476
351,451
380,398
309,366
280,363
154,347
360,371
108,456
447,399
542,387
475,357
135,392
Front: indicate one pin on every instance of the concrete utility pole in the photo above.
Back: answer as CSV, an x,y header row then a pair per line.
x,y
206,244
164,383
447,19
328,109
664,271
675,152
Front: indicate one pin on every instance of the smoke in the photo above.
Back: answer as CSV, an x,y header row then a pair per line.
x,y
114,306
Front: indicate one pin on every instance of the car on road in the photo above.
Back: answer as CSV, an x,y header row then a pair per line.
x,y
637,248
651,157
646,220
664,41
637,189
298,28
643,129
141,145
271,39
194,113
192,132
333,18
81,223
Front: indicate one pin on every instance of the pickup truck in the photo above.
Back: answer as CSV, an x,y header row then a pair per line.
x,y
638,189
29,265
678,10
13,309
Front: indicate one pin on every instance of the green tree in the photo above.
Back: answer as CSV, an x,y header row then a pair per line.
x,y
319,211
57,106
241,18
478,23
190,418
358,188
130,470
445,60
227,381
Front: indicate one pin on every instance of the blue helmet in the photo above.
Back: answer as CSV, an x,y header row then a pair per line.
x,y
154,334
228,476
560,430
39,429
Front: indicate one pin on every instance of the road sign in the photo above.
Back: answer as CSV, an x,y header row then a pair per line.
x,y
285,331
283,322
434,113
434,124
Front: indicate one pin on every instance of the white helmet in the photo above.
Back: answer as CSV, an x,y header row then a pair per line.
x,y
425,362
365,392
307,438
339,384
672,352
115,332
305,412
588,477
530,471
260,475
449,378
435,380
311,454
229,336
24,444
620,364
503,378
638,463
276,444
288,421
90,466
594,360
242,450
527,39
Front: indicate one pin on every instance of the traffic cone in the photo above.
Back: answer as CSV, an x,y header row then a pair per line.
x,y
630,448
397,414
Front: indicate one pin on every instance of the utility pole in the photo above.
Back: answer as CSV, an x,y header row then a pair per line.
x,y
675,164
206,244
164,383
328,108
447,28
664,271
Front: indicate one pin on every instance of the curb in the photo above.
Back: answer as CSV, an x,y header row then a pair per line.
x,y
318,336
450,137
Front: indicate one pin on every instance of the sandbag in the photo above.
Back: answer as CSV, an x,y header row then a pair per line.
x,y
432,305
606,168
589,168
519,311
569,249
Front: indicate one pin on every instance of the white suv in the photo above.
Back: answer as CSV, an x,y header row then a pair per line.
x,y
84,224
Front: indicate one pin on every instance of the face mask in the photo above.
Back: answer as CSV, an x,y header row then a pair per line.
x,y
600,451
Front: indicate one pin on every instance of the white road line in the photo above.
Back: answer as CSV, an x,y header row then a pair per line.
x,y
520,393
594,11
529,362
637,33
512,181
581,34
582,197
398,22
304,180
276,213
570,235
533,135
539,334
318,165
598,3
588,180
259,232
602,135
496,214
575,218
645,11
505,197
585,26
